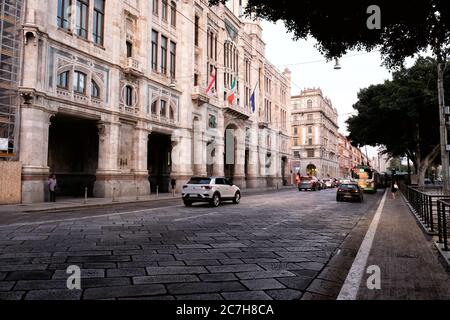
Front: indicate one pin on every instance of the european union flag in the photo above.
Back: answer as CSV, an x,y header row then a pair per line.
x,y
252,101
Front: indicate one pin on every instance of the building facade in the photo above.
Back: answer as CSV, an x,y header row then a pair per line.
x,y
115,99
345,155
314,134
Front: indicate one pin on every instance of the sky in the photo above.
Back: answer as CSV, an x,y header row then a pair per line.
x,y
309,69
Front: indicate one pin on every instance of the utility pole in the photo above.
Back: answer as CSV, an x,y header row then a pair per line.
x,y
443,127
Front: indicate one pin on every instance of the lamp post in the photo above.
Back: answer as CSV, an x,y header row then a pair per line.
x,y
443,127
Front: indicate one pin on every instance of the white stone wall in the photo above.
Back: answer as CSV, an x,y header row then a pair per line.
x,y
49,50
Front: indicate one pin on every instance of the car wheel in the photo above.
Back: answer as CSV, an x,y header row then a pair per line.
x,y
215,200
237,198
188,203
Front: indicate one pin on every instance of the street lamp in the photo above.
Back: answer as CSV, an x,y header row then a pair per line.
x,y
337,66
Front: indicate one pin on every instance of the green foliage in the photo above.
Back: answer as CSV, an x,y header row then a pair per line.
x,y
402,114
408,27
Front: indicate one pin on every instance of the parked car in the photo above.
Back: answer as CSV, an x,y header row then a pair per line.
x,y
349,191
328,183
335,182
322,185
213,190
309,183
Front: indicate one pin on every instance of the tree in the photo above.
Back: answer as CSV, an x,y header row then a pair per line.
x,y
402,116
407,28
340,26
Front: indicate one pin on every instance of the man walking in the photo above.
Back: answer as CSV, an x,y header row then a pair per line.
x,y
52,187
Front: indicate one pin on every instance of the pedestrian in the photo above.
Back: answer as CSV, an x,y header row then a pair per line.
x,y
52,184
394,188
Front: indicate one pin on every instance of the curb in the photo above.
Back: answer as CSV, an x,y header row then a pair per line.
x,y
88,206
424,228
444,254
117,203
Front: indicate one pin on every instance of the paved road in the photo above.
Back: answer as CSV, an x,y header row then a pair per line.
x,y
285,245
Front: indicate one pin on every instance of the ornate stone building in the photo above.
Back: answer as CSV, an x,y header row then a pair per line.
x,y
314,134
345,154
114,98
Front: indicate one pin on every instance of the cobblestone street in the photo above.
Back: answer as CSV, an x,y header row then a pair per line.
x,y
286,245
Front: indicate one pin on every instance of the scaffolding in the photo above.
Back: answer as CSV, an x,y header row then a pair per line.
x,y
11,12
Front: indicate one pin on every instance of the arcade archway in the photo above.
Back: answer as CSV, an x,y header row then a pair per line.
x,y
73,148
311,170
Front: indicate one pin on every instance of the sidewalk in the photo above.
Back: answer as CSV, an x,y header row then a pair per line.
x,y
79,203
411,266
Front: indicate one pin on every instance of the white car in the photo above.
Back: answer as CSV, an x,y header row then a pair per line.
x,y
213,190
328,183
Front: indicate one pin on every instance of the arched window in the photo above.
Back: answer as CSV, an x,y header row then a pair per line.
x,y
309,104
79,82
171,114
129,96
173,13
95,90
154,108
63,80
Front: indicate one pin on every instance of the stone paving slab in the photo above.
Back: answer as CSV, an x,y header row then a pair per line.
x,y
410,265
172,252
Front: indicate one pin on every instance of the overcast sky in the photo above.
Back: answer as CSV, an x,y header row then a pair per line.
x,y
359,69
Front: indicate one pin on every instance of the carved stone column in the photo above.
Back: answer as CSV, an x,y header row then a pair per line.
x,y
108,172
140,157
253,161
34,137
239,168
181,159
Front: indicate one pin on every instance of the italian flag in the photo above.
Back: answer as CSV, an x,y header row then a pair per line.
x,y
212,82
232,94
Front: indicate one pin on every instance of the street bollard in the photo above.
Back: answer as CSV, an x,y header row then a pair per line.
x,y
114,195
85,195
137,193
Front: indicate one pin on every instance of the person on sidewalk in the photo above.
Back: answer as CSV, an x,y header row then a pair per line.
x,y
394,188
52,184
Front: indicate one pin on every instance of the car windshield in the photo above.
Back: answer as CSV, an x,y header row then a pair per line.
x,y
306,178
200,181
349,186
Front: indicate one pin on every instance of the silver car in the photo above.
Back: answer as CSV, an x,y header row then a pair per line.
x,y
213,190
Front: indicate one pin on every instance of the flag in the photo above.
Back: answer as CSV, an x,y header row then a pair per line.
x,y
212,82
232,93
253,100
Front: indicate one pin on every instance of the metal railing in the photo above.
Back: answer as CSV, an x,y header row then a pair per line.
x,y
425,202
443,217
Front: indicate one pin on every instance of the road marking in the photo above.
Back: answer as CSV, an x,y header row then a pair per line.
x,y
349,290
88,217
194,217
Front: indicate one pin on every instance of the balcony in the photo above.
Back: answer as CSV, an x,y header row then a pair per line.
x,y
263,124
133,67
306,122
199,96
237,112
